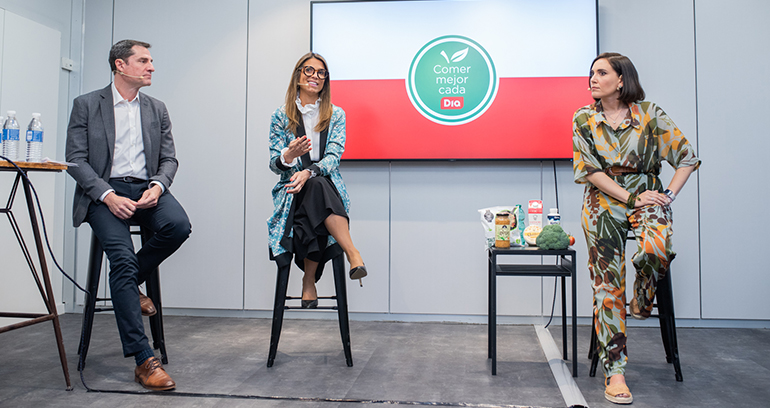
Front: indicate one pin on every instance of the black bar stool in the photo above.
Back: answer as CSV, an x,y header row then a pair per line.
x,y
664,297
153,292
283,262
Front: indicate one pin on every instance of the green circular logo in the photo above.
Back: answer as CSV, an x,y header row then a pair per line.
x,y
452,80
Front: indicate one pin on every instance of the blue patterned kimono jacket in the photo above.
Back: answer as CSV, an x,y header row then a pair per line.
x,y
328,166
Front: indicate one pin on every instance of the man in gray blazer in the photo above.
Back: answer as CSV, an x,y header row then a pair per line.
x,y
121,141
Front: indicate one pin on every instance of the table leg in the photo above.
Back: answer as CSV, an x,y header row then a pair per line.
x,y
49,298
564,317
574,319
493,311
489,305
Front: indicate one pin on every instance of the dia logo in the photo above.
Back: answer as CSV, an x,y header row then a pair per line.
x,y
452,103
452,80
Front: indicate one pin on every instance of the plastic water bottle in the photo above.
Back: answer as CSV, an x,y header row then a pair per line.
x,y
2,135
35,139
11,136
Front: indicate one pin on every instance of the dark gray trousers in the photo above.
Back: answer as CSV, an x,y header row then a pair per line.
x,y
128,269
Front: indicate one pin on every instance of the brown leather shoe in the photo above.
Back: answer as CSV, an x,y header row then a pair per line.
x,y
152,376
148,308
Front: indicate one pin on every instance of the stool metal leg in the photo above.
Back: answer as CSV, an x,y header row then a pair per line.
x,y
153,292
156,321
593,353
281,284
342,306
662,296
89,308
592,345
665,300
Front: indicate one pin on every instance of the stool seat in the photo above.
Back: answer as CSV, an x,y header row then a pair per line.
x,y
92,285
283,263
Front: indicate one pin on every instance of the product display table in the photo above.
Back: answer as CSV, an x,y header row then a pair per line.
x,y
46,292
565,267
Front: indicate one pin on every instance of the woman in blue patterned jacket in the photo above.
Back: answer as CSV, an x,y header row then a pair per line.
x,y
307,139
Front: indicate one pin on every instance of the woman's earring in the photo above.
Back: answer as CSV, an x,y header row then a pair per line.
x,y
619,88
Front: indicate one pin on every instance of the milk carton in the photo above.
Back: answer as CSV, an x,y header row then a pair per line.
x,y
535,213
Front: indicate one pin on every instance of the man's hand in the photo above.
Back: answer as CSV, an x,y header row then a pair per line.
x,y
149,197
121,207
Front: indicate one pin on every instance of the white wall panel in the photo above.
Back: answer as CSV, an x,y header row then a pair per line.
x,y
30,83
92,72
368,185
570,205
279,34
438,261
2,39
59,16
733,89
97,40
399,209
200,60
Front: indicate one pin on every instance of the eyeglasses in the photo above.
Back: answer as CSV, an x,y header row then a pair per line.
x,y
309,71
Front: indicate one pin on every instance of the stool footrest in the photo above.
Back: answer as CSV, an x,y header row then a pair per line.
x,y
319,297
315,308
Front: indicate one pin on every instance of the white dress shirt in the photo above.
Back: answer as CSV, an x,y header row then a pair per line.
x,y
128,158
310,120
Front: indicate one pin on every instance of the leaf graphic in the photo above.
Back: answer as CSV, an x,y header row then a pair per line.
x,y
460,55
443,54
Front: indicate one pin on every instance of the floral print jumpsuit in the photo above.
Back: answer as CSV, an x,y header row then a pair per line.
x,y
646,137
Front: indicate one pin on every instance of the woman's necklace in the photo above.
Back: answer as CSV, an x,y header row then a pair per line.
x,y
617,115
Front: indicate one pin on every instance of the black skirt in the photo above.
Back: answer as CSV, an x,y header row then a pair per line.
x,y
317,200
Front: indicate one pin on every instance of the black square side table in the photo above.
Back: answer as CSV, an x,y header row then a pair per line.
x,y
564,268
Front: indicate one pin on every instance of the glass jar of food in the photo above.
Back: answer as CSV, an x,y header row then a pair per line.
x,y
502,230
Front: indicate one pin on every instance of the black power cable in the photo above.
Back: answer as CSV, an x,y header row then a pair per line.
x,y
42,220
23,174
311,399
555,279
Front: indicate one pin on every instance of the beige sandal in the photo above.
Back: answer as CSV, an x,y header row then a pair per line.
x,y
612,392
636,313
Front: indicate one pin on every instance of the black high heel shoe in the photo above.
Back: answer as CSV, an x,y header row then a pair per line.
x,y
357,273
310,304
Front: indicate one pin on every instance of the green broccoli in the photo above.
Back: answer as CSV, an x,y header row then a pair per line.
x,y
553,237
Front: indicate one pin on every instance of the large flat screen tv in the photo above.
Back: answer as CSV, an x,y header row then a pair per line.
x,y
457,80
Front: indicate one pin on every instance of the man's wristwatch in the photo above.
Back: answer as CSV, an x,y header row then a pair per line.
x,y
670,194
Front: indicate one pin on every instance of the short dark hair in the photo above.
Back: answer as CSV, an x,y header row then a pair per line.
x,y
124,49
632,89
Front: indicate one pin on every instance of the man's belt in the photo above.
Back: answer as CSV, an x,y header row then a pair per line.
x,y
129,179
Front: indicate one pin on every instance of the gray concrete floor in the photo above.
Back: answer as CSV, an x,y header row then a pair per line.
x,y
405,362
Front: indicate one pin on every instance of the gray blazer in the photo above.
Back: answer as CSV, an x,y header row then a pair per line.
x,y
91,143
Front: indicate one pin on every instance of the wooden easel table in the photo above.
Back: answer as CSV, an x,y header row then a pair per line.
x,y
44,286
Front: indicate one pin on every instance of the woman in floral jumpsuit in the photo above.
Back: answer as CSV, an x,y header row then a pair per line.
x,y
619,142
